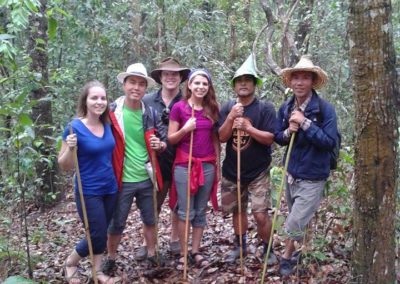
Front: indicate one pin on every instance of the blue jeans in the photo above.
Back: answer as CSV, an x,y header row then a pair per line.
x,y
198,202
143,193
99,209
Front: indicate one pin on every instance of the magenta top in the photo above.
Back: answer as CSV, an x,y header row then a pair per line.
x,y
202,135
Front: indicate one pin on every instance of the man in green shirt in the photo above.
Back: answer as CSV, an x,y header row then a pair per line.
x,y
134,125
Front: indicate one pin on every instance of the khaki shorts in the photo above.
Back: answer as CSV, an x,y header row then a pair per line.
x,y
258,190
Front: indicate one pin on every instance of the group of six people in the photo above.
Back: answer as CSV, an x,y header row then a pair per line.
x,y
120,144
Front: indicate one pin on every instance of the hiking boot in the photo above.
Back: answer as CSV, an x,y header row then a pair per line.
x,y
141,253
108,266
233,255
286,267
175,247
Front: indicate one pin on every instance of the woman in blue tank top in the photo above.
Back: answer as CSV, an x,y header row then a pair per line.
x,y
95,143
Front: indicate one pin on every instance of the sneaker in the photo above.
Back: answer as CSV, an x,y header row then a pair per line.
x,y
175,247
233,255
272,259
296,257
108,266
141,253
153,261
286,267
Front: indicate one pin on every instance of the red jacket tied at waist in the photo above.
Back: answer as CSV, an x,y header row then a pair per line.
x,y
196,177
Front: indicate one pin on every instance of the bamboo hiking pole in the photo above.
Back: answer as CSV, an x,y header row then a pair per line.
x,y
155,192
239,195
185,254
278,205
84,212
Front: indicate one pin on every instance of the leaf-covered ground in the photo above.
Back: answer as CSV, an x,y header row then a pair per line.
x,y
54,233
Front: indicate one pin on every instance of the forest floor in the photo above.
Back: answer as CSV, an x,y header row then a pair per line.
x,y
54,233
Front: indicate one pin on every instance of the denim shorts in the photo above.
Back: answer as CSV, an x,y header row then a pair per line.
x,y
303,198
143,194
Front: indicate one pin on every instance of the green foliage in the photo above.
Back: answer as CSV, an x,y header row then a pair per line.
x,y
18,280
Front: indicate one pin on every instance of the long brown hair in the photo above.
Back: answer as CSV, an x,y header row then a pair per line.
x,y
81,110
210,104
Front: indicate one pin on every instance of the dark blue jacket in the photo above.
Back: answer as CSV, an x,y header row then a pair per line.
x,y
310,156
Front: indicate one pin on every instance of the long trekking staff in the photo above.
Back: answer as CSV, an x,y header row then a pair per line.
x,y
239,195
185,253
84,212
155,191
278,205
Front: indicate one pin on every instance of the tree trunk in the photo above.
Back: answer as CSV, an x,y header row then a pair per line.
x,y
136,28
372,63
304,27
42,111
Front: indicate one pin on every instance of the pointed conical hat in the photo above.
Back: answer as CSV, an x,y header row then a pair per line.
x,y
247,68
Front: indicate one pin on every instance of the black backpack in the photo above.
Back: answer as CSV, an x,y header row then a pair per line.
x,y
334,154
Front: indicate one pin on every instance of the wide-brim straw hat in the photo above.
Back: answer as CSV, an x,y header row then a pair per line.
x,y
136,69
169,64
247,68
305,64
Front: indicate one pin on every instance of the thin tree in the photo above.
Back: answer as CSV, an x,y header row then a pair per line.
x,y
42,111
374,79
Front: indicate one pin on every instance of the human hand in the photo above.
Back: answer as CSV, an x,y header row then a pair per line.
x,y
242,123
190,125
293,127
236,111
297,116
71,140
155,143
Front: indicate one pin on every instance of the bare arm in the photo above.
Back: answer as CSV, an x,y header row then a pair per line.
x,y
226,129
175,134
65,157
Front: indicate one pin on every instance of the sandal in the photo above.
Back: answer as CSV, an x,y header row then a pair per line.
x,y
201,260
74,276
180,262
115,280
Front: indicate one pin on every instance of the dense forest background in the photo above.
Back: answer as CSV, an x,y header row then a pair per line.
x,y
50,48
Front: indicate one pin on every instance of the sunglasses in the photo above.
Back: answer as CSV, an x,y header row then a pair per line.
x,y
165,115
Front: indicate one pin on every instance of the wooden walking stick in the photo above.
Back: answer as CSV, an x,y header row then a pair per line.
x,y
278,205
185,252
239,195
84,212
155,191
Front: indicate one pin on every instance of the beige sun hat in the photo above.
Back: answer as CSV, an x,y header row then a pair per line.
x,y
305,64
169,64
136,69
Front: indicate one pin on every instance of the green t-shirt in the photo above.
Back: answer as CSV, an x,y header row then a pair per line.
x,y
135,147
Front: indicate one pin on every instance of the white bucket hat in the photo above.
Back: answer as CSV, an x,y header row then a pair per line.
x,y
136,69
305,64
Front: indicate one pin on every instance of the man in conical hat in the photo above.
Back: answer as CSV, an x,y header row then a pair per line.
x,y
313,119
255,120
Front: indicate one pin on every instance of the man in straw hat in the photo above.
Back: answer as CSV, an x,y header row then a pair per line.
x,y
255,120
313,120
169,74
134,125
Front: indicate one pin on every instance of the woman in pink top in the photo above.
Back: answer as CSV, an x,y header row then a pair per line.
x,y
199,94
